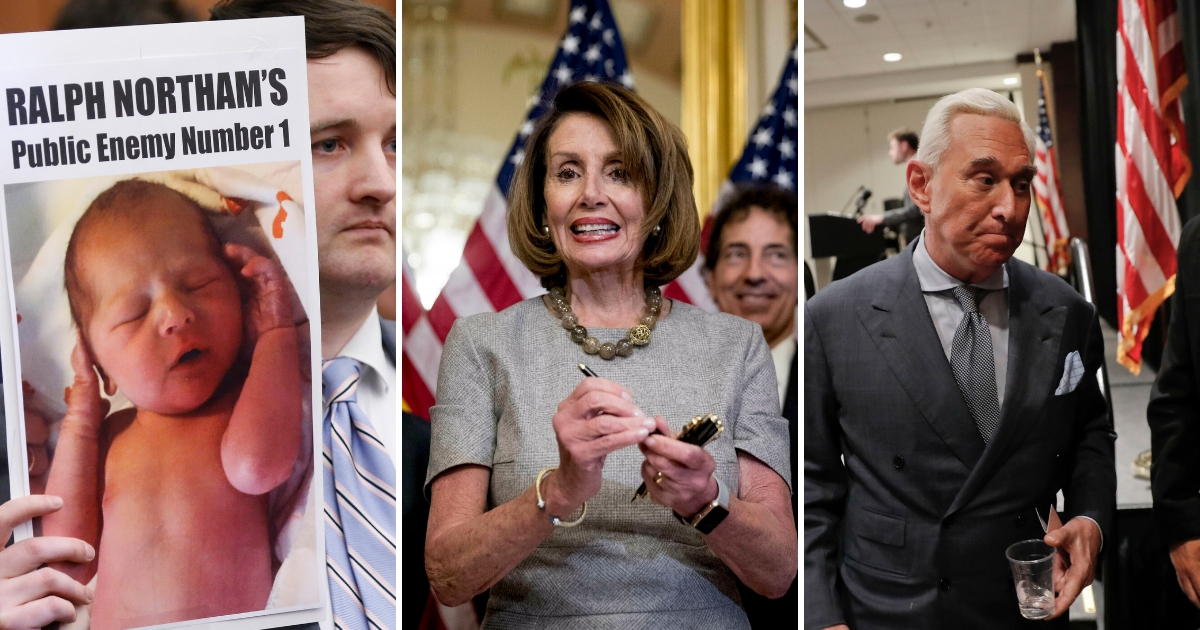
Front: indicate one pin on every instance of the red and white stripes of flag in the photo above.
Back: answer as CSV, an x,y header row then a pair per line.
x,y
1152,165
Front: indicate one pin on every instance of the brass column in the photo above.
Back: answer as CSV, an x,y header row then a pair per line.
x,y
714,91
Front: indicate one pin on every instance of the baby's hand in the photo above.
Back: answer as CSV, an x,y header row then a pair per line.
x,y
85,408
267,306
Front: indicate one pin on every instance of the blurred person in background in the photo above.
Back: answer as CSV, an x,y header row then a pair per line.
x,y
907,219
750,270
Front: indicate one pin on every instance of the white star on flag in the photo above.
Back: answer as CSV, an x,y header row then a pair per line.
x,y
626,79
758,168
570,45
563,74
762,137
783,178
769,109
596,23
578,14
785,148
518,157
789,117
527,128
791,85
593,54
608,37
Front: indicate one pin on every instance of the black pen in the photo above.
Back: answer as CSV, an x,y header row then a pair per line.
x,y
587,371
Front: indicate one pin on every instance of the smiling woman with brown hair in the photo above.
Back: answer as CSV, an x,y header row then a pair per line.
x,y
523,451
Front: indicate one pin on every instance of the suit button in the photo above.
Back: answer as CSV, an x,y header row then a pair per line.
x,y
944,584
1019,520
898,462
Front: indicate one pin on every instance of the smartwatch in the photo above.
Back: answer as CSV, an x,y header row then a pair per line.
x,y
712,514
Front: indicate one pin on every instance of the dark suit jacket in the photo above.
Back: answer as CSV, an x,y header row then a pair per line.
x,y
910,532
774,614
1174,410
907,220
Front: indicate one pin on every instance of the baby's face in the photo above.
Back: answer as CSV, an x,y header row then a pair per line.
x,y
165,318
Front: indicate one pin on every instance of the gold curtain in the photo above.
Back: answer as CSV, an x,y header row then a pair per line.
x,y
714,89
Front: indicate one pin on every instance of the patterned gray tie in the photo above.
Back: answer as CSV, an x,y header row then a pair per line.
x,y
973,363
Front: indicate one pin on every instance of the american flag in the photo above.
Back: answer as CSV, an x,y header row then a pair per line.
x,y
770,156
490,278
1047,191
411,312
771,152
1152,165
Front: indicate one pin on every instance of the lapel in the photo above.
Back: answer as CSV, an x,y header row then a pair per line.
x,y
898,322
1034,336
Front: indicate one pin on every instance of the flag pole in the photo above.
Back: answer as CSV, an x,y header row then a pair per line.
x,y
1037,60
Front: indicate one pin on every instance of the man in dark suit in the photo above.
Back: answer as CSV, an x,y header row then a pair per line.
x,y
949,392
1174,417
907,219
750,269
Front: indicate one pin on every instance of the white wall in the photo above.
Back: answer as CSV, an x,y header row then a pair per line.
x,y
847,147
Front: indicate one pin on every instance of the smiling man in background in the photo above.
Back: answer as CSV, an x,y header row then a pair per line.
x,y
751,272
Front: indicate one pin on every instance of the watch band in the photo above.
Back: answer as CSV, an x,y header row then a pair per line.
x,y
712,514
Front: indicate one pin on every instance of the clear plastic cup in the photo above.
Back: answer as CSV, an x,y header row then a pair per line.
x,y
1032,564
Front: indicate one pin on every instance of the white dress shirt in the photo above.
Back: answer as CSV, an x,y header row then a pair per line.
x,y
782,354
377,385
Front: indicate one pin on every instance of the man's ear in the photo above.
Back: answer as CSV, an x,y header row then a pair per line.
x,y
920,177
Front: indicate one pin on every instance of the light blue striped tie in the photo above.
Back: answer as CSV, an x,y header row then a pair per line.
x,y
360,507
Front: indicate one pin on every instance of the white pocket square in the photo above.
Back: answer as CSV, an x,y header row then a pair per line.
x,y
1072,373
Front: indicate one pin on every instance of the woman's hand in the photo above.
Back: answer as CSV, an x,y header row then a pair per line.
x,y
31,597
599,417
687,482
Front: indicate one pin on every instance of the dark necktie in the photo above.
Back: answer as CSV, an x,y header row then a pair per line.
x,y
974,364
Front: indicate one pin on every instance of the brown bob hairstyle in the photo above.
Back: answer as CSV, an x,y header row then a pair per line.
x,y
654,153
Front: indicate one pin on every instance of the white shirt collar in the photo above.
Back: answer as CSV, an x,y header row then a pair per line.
x,y
366,347
782,354
933,278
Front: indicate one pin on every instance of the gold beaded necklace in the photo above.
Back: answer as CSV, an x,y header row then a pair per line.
x,y
639,335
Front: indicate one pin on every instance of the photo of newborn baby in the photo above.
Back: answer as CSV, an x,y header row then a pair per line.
x,y
185,491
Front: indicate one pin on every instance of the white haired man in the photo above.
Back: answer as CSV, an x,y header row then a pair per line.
x,y
947,395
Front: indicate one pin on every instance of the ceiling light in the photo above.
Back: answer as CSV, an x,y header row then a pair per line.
x,y
855,4
1011,81
893,57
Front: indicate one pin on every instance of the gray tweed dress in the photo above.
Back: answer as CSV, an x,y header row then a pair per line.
x,y
629,565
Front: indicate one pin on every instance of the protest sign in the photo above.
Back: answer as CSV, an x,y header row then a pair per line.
x,y
159,324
